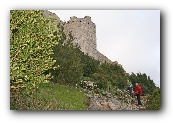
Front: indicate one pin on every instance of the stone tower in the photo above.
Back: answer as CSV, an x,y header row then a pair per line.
x,y
84,32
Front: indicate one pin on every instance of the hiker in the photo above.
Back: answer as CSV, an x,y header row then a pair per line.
x,y
130,88
138,93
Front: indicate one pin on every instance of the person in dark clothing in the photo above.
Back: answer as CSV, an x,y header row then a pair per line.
x,y
130,88
138,93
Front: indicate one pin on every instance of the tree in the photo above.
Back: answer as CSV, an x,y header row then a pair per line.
x,y
148,86
153,101
68,62
90,65
109,75
31,42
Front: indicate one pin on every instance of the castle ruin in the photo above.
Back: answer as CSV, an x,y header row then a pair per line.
x,y
84,32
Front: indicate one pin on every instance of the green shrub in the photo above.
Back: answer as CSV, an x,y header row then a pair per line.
x,y
90,65
68,62
70,68
153,102
107,76
31,42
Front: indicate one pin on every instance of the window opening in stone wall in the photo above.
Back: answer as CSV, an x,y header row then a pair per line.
x,y
88,23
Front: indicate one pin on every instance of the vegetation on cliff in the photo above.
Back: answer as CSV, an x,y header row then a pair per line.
x,y
69,68
40,53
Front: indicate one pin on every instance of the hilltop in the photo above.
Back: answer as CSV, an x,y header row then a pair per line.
x,y
51,59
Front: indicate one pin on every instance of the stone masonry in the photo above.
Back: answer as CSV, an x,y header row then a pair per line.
x,y
84,33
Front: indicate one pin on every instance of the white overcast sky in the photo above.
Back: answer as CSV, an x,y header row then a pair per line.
x,y
130,37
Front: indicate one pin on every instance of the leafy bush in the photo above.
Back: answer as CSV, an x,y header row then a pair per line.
x,y
68,61
90,65
107,76
31,42
153,102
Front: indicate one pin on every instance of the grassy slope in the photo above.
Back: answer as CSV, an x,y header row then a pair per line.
x,y
50,97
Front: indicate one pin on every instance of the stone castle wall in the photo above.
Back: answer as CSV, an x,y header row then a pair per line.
x,y
84,33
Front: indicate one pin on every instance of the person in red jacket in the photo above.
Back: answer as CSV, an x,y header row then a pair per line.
x,y
138,93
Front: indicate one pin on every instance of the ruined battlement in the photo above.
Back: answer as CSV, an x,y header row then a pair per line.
x,y
84,32
75,19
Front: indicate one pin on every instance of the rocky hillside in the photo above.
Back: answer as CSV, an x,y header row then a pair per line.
x,y
113,102
116,100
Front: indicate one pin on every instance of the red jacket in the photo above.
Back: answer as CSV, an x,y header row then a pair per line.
x,y
138,90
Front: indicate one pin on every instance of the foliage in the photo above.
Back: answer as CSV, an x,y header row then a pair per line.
x,y
90,65
68,62
153,102
50,97
31,42
40,52
148,86
108,76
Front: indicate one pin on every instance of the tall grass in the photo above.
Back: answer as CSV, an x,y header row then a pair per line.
x,y
50,97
